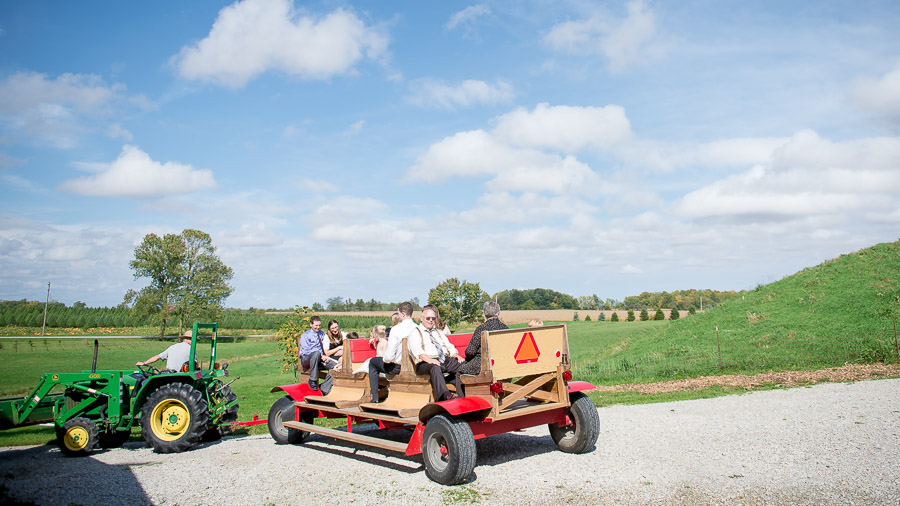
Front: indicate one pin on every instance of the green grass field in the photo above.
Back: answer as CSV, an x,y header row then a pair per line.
x,y
842,311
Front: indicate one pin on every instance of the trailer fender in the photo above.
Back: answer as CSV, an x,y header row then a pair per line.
x,y
580,386
297,391
455,407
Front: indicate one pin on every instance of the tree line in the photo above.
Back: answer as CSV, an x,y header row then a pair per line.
x,y
188,282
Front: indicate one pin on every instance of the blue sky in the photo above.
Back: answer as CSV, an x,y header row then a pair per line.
x,y
374,149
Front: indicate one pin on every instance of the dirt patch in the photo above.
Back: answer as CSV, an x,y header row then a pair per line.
x,y
849,372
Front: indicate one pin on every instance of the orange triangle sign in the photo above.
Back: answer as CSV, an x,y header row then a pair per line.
x,y
528,350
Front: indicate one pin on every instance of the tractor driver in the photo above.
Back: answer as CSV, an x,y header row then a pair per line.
x,y
175,356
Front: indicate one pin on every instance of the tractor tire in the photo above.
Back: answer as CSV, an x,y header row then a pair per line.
x,y
228,419
448,449
78,437
174,418
114,438
282,411
581,436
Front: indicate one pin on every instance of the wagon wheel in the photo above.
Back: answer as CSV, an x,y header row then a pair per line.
x,y
78,437
448,449
282,410
581,436
174,418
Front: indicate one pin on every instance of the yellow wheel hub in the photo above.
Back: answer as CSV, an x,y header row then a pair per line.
x,y
76,438
170,419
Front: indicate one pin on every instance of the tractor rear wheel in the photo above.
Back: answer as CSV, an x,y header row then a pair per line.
x,y
448,449
581,436
174,418
283,410
78,437
223,394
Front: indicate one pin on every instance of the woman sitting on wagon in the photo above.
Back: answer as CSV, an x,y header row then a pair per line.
x,y
334,342
472,365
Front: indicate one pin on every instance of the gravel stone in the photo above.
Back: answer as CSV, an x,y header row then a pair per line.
x,y
834,443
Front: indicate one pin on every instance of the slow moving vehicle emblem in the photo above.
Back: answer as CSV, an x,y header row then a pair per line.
x,y
528,350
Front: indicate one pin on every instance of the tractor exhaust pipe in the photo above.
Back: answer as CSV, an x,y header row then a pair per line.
x,y
96,347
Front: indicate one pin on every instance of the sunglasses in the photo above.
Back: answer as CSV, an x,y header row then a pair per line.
x,y
431,319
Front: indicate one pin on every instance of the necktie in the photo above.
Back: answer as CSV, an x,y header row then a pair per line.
x,y
437,344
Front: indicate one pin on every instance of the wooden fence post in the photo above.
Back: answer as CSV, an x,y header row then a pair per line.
x,y
719,347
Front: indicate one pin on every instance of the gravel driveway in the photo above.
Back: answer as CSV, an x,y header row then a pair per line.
x,y
828,444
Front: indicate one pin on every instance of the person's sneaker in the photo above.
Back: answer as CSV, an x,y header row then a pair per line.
x,y
313,384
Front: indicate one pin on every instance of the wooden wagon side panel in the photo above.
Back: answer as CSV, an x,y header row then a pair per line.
x,y
515,353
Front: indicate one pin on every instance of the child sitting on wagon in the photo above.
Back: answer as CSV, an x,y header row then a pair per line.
x,y
378,340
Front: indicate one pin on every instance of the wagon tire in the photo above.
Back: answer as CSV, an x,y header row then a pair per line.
x,y
282,410
78,437
174,418
448,449
581,436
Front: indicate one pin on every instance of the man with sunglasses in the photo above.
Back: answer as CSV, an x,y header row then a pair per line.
x,y
435,355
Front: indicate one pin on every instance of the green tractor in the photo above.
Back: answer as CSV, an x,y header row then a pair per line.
x,y
175,409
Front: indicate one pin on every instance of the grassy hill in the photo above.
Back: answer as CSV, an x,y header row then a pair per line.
x,y
841,311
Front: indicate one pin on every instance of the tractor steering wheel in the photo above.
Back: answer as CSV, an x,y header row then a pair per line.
x,y
150,370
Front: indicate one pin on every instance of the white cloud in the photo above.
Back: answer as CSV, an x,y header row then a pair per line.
x,y
807,176
468,93
250,235
564,128
55,110
115,131
317,186
358,223
70,256
879,95
667,156
251,37
623,42
85,93
630,269
504,207
467,16
509,152
356,127
134,174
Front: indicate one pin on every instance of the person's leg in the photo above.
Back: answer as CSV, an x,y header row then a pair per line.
x,y
315,360
325,387
451,365
437,379
376,366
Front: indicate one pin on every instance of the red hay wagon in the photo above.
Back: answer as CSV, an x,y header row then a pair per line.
x,y
525,381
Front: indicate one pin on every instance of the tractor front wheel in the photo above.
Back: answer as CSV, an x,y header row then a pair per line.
x,y
283,410
174,418
78,437
448,449
581,436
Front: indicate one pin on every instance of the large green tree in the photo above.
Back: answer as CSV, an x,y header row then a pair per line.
x,y
187,279
458,301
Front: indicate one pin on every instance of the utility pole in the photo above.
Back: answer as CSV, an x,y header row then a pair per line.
x,y
701,303
43,325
